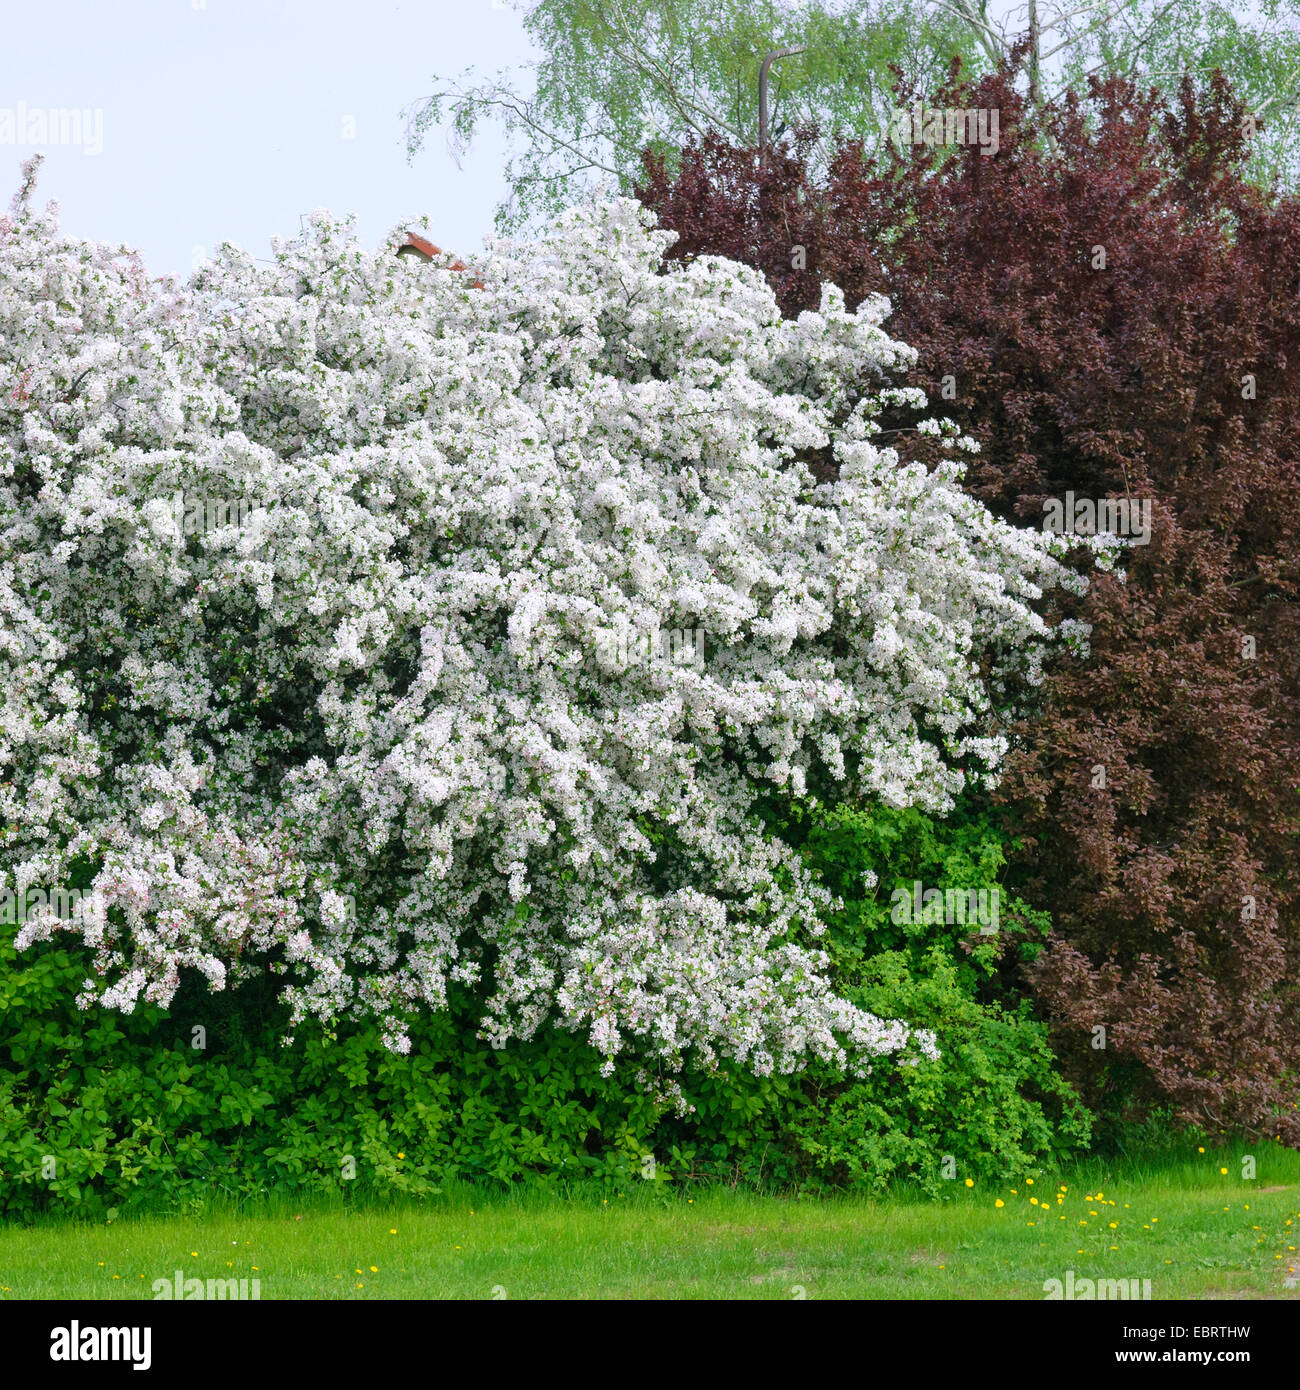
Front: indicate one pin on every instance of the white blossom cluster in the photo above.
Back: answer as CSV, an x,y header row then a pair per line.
x,y
392,683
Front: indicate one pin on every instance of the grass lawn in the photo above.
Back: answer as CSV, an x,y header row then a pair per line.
x,y
1191,1229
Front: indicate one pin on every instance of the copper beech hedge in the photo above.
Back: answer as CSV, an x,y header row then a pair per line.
x,y
1114,311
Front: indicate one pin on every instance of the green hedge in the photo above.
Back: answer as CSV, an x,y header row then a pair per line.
x,y
134,1115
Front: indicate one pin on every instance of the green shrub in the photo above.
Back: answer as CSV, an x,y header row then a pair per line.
x,y
164,1109
993,1104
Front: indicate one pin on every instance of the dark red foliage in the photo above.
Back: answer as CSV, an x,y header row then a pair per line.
x,y
1175,887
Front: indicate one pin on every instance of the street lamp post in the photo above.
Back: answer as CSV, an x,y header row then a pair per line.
x,y
762,89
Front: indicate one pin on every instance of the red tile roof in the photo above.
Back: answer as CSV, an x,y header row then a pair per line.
x,y
427,251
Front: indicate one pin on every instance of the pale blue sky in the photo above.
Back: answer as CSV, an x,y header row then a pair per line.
x,y
224,120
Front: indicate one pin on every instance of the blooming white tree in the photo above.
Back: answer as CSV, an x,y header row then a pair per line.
x,y
407,718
